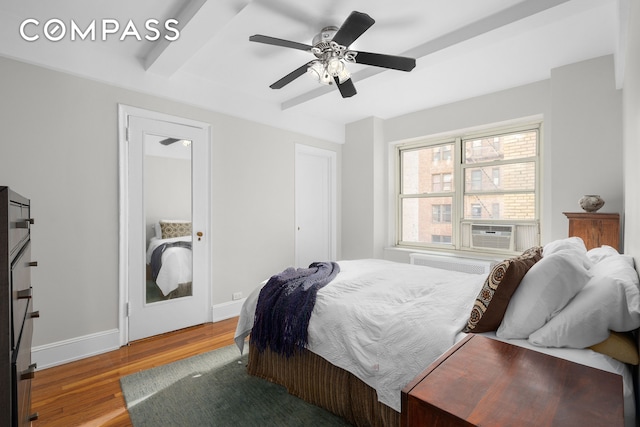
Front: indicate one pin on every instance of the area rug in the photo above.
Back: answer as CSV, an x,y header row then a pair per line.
x,y
214,389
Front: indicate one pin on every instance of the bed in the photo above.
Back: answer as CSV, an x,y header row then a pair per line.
x,y
378,324
169,257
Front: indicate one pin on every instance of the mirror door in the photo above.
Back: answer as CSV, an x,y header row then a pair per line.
x,y
167,267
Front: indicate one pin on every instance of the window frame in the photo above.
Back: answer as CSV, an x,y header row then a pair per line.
x,y
457,192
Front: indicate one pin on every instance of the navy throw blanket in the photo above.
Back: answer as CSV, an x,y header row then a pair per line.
x,y
284,307
156,255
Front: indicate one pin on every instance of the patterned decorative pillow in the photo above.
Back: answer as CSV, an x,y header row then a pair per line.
x,y
493,299
172,229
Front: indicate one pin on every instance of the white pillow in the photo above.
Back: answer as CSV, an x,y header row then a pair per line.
x,y
598,254
575,244
609,301
157,230
543,292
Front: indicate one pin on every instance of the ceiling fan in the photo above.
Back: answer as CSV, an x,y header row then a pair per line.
x,y
331,49
169,141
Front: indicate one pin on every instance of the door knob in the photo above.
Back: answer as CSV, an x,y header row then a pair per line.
x,y
199,234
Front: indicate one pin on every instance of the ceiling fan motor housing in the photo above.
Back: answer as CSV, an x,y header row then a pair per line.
x,y
322,39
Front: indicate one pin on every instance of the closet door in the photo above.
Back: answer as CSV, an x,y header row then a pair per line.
x,y
315,204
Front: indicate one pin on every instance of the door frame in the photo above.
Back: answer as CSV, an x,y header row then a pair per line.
x,y
332,191
124,112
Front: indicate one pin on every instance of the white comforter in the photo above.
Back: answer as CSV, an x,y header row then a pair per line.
x,y
383,321
177,264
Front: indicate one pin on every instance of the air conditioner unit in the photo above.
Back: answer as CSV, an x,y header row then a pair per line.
x,y
485,236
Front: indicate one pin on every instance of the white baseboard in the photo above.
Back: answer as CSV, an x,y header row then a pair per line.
x,y
226,310
61,352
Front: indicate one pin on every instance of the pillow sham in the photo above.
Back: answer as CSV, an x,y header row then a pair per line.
x,y
543,292
172,228
621,346
492,300
609,301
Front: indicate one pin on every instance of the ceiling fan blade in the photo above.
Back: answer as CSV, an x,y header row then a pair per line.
x,y
279,42
169,141
401,63
290,77
347,88
352,28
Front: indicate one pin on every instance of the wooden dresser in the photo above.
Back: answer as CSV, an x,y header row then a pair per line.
x,y
596,229
16,312
485,382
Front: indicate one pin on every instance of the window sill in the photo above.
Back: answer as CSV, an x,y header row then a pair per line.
x,y
401,254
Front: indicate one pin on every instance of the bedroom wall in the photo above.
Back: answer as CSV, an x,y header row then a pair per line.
x,y
581,112
60,149
585,142
631,126
363,186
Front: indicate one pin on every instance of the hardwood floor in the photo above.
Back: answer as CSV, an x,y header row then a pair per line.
x,y
87,392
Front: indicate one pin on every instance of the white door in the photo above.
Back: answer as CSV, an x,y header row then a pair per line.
x,y
153,309
315,204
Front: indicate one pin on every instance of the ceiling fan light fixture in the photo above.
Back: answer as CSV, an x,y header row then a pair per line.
x,y
335,66
318,70
343,75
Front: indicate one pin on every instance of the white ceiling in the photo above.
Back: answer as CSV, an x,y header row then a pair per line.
x,y
464,48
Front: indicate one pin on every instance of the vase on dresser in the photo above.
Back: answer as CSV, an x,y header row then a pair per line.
x,y
591,202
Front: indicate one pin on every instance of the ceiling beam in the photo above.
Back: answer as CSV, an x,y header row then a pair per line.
x,y
199,21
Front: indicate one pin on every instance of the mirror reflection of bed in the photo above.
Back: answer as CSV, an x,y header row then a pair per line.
x,y
169,261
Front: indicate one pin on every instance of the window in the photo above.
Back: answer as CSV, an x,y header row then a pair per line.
x,y
427,185
488,178
441,213
476,180
476,210
442,153
441,182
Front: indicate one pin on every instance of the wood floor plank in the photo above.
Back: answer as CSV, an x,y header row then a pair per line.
x,y
87,392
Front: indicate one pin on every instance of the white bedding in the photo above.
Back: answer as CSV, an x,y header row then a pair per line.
x,y
406,316
394,331
177,264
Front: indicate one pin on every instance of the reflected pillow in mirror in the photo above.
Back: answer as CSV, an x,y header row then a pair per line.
x,y
172,228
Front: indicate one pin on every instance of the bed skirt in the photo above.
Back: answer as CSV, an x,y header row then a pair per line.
x,y
313,379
